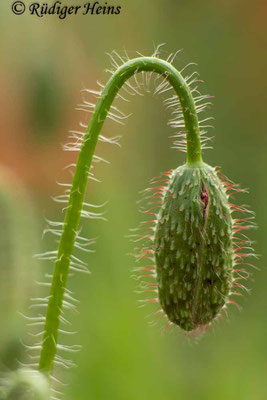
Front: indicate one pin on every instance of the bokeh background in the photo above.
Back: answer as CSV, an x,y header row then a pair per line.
x,y
44,65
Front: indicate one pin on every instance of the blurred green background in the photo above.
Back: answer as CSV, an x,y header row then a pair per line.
x,y
45,63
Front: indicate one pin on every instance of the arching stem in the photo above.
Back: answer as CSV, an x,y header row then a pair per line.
x,y
72,217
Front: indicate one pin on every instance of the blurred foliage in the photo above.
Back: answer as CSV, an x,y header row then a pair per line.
x,y
45,100
18,243
123,357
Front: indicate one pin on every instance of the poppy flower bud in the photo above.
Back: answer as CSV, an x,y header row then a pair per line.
x,y
194,247
25,383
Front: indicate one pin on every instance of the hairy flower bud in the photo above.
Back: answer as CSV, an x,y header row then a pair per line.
x,y
193,247
25,384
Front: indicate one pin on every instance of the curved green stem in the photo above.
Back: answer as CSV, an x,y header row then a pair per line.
x,y
72,217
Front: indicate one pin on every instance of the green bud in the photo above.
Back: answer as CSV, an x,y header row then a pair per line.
x,y
26,384
194,247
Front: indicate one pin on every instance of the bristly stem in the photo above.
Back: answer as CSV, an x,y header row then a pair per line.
x,y
73,213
